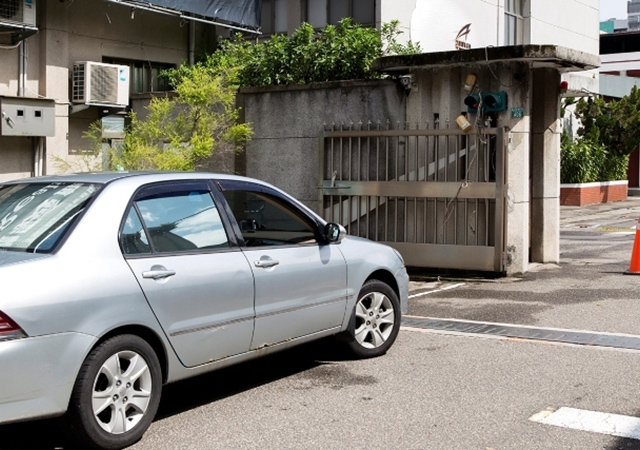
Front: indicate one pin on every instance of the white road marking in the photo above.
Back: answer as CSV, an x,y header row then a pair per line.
x,y
592,421
446,288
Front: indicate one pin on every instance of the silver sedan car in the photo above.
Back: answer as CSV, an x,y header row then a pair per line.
x,y
115,284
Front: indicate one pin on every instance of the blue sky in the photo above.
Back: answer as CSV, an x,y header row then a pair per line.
x,y
613,9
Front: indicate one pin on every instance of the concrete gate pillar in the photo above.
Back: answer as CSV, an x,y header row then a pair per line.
x,y
545,166
530,76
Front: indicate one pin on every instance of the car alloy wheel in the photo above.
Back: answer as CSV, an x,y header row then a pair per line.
x,y
116,394
122,392
375,321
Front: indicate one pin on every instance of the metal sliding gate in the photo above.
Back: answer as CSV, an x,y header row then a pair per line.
x,y
436,195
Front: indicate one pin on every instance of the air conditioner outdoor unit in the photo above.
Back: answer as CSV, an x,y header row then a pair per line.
x,y
19,12
100,84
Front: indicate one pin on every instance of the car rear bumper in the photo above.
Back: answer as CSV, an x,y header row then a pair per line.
x,y
38,374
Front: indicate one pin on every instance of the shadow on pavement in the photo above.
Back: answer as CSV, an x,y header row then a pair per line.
x,y
624,444
189,394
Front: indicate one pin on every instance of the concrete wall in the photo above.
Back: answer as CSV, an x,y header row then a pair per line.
x,y
17,156
619,73
288,121
617,86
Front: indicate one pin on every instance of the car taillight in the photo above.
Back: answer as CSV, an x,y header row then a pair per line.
x,y
9,329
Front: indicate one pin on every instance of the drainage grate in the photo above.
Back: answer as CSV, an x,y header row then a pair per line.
x,y
514,331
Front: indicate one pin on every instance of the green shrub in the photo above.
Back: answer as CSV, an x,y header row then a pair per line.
x,y
614,168
586,160
337,52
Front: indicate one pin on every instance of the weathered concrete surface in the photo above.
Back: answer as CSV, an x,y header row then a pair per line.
x,y
288,121
562,58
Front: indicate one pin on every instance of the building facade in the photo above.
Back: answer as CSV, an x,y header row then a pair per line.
x,y
37,74
443,25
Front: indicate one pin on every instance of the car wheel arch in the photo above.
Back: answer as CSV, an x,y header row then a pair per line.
x,y
387,278
150,336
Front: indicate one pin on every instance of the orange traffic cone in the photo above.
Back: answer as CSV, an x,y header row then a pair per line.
x,y
634,266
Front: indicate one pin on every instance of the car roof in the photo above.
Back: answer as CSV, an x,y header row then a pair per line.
x,y
108,177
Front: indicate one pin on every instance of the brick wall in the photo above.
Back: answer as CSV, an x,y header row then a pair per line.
x,y
590,193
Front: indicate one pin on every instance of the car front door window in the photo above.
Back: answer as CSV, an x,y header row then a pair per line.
x,y
263,220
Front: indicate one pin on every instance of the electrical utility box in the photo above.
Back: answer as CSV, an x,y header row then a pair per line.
x,y
23,116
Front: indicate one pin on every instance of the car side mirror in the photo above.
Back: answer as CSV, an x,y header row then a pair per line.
x,y
334,233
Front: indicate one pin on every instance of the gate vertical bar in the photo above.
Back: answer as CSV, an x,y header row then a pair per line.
x,y
321,147
500,218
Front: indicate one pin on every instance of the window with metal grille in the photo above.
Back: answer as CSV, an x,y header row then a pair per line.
x,y
144,75
274,17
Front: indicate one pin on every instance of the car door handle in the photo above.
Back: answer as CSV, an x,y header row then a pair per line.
x,y
266,263
158,273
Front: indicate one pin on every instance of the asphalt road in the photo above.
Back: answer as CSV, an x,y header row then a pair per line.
x,y
433,390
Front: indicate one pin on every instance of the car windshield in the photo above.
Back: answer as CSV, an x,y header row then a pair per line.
x,y
35,216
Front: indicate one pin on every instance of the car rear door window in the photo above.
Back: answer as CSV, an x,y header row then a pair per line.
x,y
134,238
173,222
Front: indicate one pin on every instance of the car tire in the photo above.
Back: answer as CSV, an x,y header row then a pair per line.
x,y
375,320
116,394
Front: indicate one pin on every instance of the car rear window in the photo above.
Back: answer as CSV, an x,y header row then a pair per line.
x,y
34,217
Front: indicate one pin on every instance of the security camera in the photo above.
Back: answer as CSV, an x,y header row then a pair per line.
x,y
406,80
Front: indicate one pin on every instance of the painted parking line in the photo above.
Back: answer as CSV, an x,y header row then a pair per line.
x,y
591,421
445,288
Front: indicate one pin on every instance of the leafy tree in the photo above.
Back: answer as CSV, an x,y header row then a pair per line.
x,y
614,124
182,131
389,35
610,131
